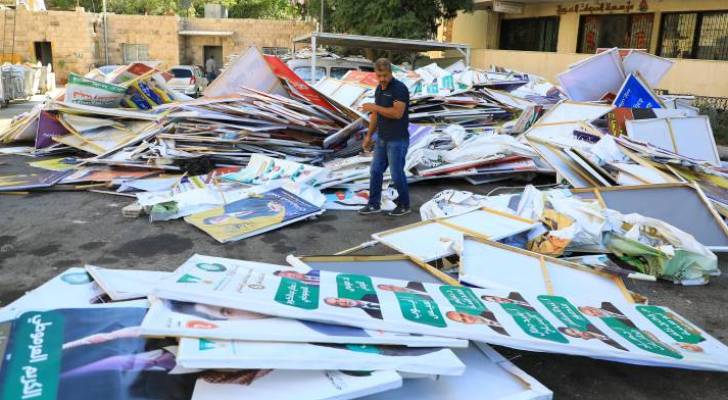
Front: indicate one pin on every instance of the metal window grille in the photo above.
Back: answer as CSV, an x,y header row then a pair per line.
x,y
532,34
630,31
702,35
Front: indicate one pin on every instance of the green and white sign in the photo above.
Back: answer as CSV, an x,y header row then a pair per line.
x,y
35,364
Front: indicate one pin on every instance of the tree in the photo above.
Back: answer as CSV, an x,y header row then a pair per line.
x,y
151,7
274,9
261,9
409,19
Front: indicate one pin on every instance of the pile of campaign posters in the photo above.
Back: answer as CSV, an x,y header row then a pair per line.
x,y
252,384
253,215
600,328
263,169
195,320
73,287
125,284
229,354
20,182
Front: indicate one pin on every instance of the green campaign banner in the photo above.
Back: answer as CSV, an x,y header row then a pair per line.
x,y
463,299
639,338
673,326
355,287
565,312
533,323
420,309
35,364
295,293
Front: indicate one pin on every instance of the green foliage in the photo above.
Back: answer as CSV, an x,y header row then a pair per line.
x,y
150,7
275,9
718,122
409,19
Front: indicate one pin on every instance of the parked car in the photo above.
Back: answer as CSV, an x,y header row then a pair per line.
x,y
330,67
187,79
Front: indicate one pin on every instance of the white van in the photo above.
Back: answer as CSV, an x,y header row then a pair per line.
x,y
328,67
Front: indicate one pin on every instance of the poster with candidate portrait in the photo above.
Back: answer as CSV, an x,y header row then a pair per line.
x,y
89,354
196,320
253,215
612,330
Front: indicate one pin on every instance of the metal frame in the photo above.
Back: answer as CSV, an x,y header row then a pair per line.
x,y
375,42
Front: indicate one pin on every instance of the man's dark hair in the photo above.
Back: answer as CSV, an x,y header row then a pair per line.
x,y
383,64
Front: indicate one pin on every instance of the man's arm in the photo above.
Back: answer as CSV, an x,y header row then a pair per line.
x,y
394,112
367,144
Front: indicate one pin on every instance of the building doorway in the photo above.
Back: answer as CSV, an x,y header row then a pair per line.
x,y
215,51
43,52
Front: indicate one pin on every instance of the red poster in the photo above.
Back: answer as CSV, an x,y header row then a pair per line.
x,y
364,78
282,71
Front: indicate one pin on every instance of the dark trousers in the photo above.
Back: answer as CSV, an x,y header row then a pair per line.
x,y
389,153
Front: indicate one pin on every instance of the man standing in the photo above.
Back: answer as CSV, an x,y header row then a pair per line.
x,y
211,69
389,117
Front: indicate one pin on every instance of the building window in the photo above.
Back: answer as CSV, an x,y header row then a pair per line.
x,y
534,34
134,52
626,31
701,35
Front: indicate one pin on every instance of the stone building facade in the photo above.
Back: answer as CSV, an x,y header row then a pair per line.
x,y
74,41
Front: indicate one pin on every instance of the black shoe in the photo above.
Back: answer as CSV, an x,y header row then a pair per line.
x,y
400,211
369,209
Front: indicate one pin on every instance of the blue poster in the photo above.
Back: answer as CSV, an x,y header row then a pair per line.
x,y
635,94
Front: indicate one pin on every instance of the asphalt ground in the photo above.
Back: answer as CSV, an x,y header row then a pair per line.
x,y
43,233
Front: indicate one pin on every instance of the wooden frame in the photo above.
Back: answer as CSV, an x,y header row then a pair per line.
x,y
694,186
544,258
443,277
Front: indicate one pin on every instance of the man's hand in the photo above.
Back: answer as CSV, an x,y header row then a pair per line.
x,y
369,107
368,143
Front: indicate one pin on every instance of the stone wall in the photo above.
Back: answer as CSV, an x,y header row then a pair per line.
x,y
71,33
159,33
246,33
77,40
